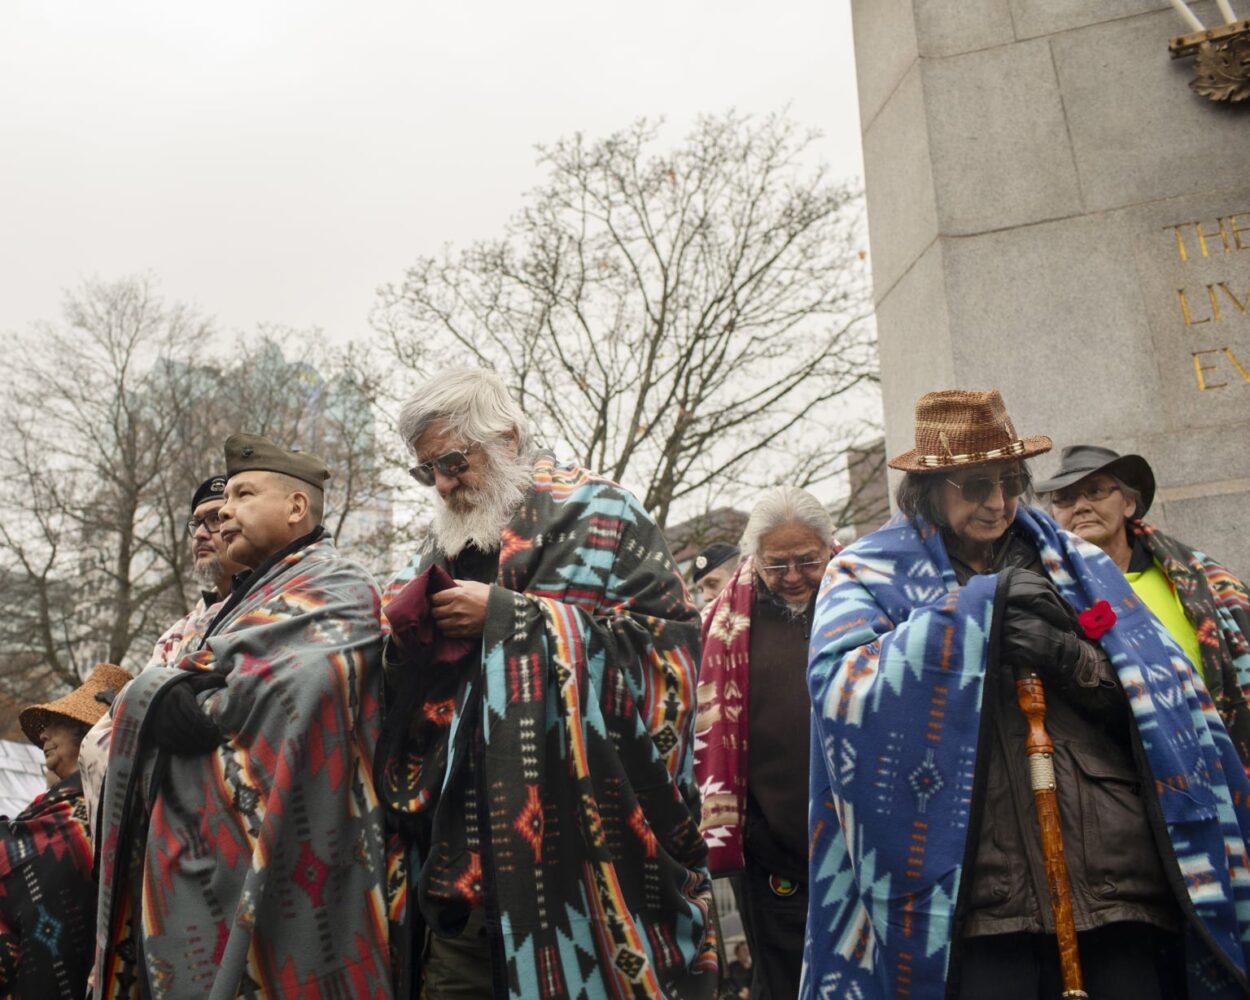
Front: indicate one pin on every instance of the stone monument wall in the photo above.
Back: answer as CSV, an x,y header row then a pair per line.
x,y
1054,213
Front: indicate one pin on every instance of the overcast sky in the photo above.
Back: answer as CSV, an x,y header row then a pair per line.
x,y
278,161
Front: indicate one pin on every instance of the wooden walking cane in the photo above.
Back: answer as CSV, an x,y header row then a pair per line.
x,y
1040,752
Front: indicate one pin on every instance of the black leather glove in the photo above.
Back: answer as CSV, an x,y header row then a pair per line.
x,y
1028,640
181,726
1033,593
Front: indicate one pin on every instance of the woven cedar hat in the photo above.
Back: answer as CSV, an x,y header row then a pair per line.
x,y
80,705
957,427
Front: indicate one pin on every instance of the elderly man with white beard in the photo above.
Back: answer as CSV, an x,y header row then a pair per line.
x,y
537,756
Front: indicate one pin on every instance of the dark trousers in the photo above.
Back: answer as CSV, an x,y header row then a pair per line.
x,y
774,926
458,968
1123,961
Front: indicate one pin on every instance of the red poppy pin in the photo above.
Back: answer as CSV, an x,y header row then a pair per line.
x,y
1097,621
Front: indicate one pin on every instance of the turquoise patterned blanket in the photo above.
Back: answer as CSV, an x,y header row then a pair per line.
x,y
898,659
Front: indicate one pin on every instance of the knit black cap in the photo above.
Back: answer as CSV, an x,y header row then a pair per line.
x,y
716,554
213,488
253,453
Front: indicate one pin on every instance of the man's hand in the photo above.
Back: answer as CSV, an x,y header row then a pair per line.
x,y
460,611
181,725
1034,593
1029,640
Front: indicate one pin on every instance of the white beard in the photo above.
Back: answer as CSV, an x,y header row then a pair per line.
x,y
480,515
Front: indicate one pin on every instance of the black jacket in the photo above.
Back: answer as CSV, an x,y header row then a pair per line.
x,y
1113,863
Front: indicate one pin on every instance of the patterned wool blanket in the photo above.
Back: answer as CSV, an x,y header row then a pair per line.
x,y
899,659
47,897
260,865
578,834
1217,604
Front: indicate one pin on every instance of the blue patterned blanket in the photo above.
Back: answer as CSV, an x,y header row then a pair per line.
x,y
898,661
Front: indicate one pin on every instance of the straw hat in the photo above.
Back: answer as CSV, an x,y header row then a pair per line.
x,y
957,427
80,705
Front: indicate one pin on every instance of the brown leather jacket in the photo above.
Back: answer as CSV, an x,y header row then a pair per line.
x,y
1113,863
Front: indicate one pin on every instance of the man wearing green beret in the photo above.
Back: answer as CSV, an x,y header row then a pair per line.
x,y
258,867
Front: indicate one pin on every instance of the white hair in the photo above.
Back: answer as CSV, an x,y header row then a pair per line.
x,y
784,505
475,404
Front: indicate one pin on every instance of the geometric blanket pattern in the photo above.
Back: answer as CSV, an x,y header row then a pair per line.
x,y
578,834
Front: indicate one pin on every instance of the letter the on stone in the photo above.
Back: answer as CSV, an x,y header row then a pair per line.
x,y
1180,240
1220,231
1237,231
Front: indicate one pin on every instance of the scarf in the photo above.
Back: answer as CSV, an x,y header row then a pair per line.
x,y
898,664
720,752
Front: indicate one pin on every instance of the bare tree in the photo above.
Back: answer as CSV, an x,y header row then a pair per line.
x,y
692,322
92,409
113,416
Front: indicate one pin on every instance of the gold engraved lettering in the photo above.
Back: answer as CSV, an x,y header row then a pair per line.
x,y
1215,304
1185,313
1237,231
1180,240
1200,369
1242,307
1245,375
1220,231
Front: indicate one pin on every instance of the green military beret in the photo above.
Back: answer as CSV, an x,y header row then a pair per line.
x,y
251,452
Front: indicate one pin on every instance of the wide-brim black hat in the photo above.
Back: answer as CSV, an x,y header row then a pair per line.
x,y
1080,460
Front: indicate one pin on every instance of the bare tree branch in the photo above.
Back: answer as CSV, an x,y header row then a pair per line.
x,y
693,322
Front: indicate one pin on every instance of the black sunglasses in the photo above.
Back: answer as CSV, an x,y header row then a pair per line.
x,y
453,465
977,489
